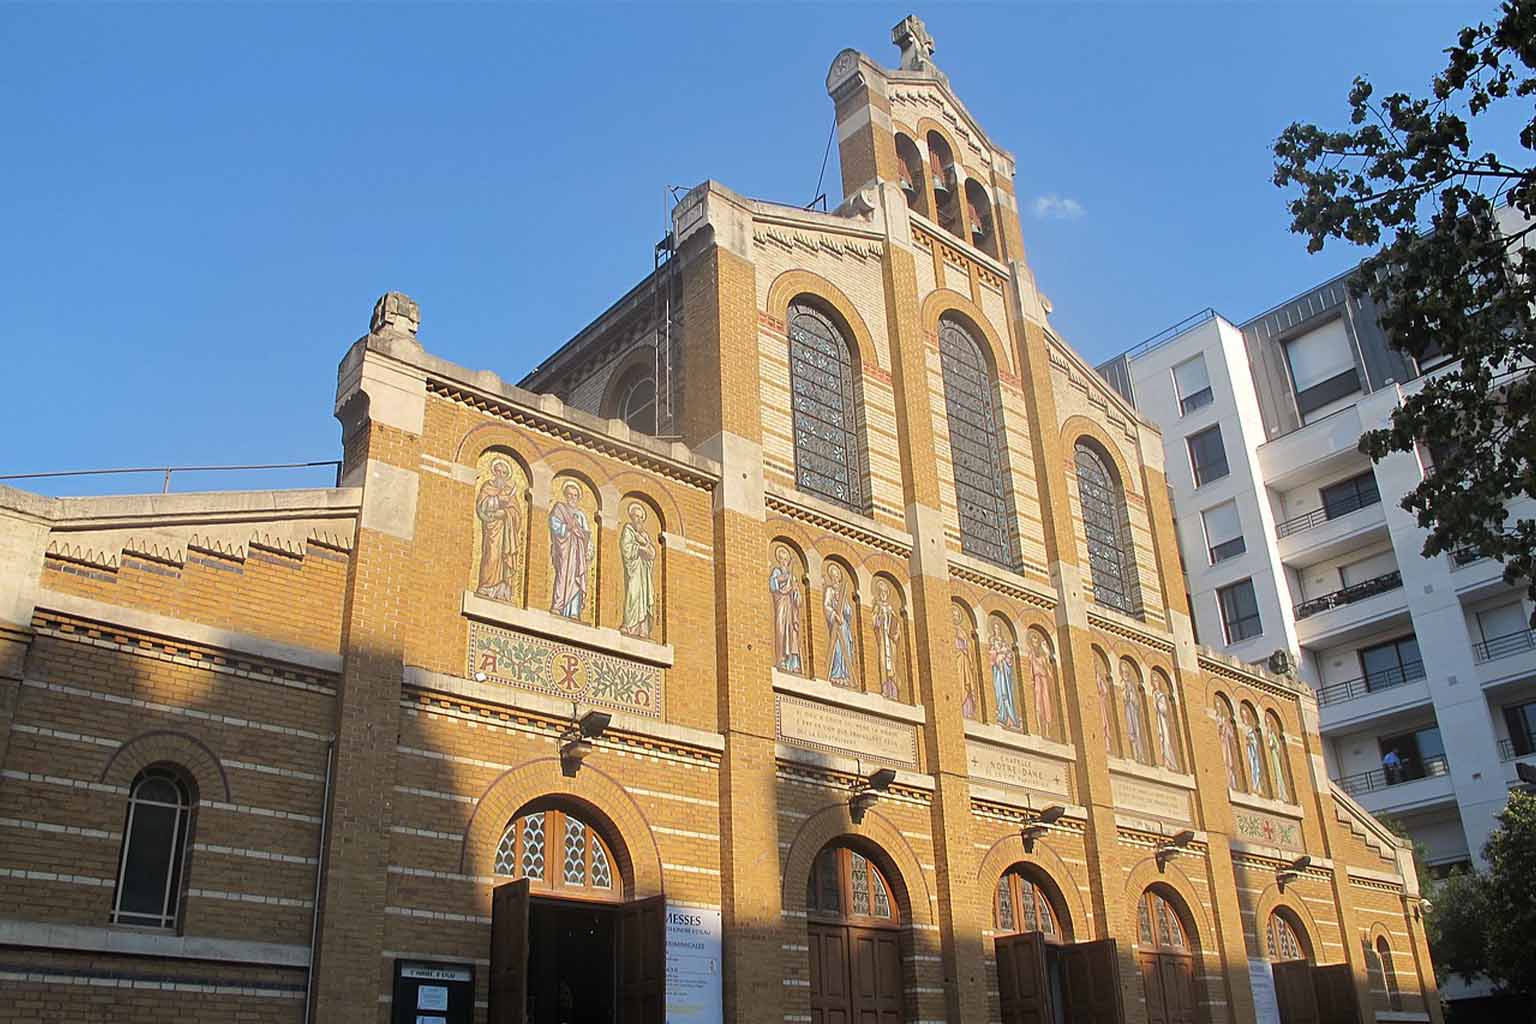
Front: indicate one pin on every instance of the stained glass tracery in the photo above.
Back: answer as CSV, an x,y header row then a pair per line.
x,y
823,408
846,884
581,859
1023,906
1109,549
975,446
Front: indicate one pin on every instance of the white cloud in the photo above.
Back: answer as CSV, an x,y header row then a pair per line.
x,y
1055,207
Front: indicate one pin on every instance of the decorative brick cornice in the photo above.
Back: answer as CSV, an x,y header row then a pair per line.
x,y
832,524
1126,631
1012,591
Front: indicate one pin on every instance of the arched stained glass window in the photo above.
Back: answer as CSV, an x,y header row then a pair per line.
x,y
557,850
1109,545
975,446
845,884
1023,905
154,847
1158,924
823,408
1284,939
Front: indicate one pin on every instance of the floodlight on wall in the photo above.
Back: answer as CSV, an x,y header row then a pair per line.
x,y
1039,823
576,742
1177,843
867,791
1293,870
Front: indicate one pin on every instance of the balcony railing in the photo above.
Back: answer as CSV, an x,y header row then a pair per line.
x,y
1332,510
1508,752
1504,646
1350,594
1373,682
1380,778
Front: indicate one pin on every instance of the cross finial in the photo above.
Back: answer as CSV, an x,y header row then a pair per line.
x,y
915,42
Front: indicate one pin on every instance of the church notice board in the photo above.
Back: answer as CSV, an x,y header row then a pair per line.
x,y
693,966
433,993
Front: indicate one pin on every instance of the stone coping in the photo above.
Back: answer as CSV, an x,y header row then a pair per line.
x,y
1374,876
559,708
845,765
1277,853
119,617
149,942
1163,827
997,735
1137,770
825,693
1025,800
1261,803
556,627
125,510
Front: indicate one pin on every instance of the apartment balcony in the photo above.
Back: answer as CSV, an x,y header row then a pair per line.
x,y
1508,751
1409,788
1345,706
1357,609
1313,450
1330,531
1505,659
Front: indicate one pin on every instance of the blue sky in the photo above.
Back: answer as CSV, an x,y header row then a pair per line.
x,y
202,202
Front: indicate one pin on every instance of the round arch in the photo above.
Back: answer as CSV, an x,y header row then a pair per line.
x,y
631,484
640,358
1080,428
946,301
877,838
168,746
1170,881
1276,898
1009,851
596,796
792,284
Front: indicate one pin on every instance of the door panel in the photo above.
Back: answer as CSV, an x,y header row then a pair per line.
x,y
1293,992
1152,985
1338,1002
509,953
1091,980
643,965
1023,986
829,974
876,970
1178,974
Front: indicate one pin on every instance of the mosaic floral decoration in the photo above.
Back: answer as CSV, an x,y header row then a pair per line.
x,y
532,663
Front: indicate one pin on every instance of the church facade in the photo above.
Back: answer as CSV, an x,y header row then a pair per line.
x,y
805,641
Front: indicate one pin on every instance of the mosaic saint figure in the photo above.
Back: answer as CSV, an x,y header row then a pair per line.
x,y
1043,675
496,506
1000,653
1106,703
1276,764
887,622
964,662
1229,749
786,611
637,552
1135,728
1165,741
837,606
571,550
1252,746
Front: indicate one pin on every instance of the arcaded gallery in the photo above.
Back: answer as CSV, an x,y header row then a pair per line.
x,y
803,641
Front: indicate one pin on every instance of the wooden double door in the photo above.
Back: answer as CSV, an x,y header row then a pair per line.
x,y
1169,981
1046,983
856,975
1315,994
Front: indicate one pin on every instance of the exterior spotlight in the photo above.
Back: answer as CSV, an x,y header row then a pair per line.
x,y
868,791
576,742
881,780
1039,824
594,723
1293,870
1176,844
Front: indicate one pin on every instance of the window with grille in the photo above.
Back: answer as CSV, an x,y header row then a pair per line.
x,y
1284,942
1346,496
823,408
846,884
557,850
1110,558
1159,926
154,849
975,447
1023,906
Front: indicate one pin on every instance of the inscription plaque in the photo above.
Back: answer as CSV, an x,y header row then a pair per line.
x,y
1016,768
836,730
1154,798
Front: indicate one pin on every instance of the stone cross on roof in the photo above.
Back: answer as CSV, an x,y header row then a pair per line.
x,y
915,42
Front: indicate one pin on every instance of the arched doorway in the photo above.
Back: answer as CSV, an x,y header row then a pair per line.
x,y
1030,930
565,947
854,938
1166,955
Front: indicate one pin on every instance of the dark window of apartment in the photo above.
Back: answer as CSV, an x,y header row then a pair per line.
x,y
1322,366
1347,496
1391,664
1193,385
1239,611
1413,755
1521,721
1223,532
1207,455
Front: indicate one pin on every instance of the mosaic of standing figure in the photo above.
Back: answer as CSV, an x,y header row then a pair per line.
x,y
1104,677
1042,674
1227,729
837,607
886,617
965,662
500,486
1167,742
1000,655
1135,724
572,551
637,553
1253,747
788,610
1273,739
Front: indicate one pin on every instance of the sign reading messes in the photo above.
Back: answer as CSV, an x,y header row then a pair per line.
x,y
835,730
544,666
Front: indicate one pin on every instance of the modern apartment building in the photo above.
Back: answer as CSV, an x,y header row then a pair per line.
x,y
1292,541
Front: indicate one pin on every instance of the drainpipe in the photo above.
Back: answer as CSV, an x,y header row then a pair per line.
x,y
314,916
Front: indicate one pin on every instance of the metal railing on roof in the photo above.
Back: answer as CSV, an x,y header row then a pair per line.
x,y
1167,334
166,471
